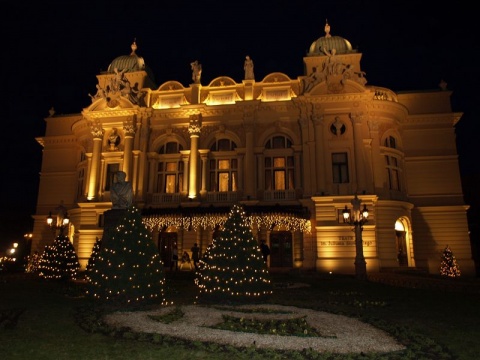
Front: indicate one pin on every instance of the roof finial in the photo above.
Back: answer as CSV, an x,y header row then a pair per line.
x,y
134,46
327,29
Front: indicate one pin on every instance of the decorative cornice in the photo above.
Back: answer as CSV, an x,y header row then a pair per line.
x,y
195,124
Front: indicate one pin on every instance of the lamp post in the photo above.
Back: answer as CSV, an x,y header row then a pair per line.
x,y
62,222
357,219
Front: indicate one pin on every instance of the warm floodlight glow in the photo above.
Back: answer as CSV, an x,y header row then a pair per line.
x,y
399,226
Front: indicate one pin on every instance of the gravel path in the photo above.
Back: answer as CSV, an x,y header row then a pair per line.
x,y
342,334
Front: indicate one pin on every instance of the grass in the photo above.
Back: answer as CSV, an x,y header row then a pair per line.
x,y
42,319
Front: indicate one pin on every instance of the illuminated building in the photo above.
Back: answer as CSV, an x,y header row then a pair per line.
x,y
293,151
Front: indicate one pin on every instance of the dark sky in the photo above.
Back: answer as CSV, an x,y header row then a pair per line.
x,y
54,49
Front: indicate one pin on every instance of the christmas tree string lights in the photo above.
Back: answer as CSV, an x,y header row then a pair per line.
x,y
93,256
128,269
232,269
59,261
448,265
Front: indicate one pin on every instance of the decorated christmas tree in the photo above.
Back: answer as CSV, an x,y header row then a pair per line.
x,y
128,269
59,261
33,263
93,255
449,266
232,269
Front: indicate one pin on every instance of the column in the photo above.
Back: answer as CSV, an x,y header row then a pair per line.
x,y
359,160
92,186
378,161
185,157
261,172
204,158
129,130
249,161
152,174
319,154
194,129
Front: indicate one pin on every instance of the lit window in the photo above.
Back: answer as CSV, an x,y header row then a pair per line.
x,y
223,166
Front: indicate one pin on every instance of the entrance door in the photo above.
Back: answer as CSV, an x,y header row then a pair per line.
x,y
401,248
281,249
166,242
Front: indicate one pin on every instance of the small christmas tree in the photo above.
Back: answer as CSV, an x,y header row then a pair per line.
x,y
33,263
45,268
449,266
128,270
232,269
59,261
93,256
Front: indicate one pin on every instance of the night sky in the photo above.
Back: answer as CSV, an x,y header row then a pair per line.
x,y
54,50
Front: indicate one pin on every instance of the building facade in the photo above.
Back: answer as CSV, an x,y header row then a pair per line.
x,y
294,152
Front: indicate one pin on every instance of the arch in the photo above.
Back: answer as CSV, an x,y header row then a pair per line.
x,y
170,85
276,77
404,242
277,130
392,133
168,137
222,81
222,134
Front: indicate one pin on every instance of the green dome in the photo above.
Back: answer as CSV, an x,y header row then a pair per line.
x,y
127,63
326,44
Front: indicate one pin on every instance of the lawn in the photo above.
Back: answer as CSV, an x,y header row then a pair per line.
x,y
40,320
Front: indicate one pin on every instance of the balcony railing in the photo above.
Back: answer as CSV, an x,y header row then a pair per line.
x,y
222,196
279,195
161,198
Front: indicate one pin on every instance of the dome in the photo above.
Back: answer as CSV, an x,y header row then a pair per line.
x,y
127,63
329,44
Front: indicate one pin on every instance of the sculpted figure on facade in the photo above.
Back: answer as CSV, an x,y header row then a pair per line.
x,y
248,67
119,80
99,95
121,192
196,71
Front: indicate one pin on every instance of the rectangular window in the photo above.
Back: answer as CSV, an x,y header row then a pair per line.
x,y
224,164
291,183
171,166
268,180
340,168
393,173
213,181
111,170
170,184
170,177
279,162
234,181
223,181
279,180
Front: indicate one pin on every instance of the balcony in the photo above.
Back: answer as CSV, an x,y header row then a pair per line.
x,y
162,198
279,195
222,197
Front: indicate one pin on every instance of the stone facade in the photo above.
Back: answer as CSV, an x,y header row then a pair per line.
x,y
294,151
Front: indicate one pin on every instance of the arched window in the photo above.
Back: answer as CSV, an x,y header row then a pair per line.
x,y
223,166
171,147
392,163
223,145
278,142
170,168
390,142
279,164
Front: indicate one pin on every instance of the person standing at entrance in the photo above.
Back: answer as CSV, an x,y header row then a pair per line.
x,y
265,250
174,261
195,255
